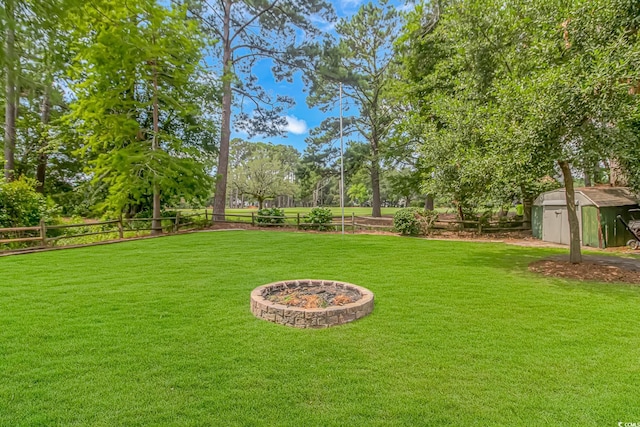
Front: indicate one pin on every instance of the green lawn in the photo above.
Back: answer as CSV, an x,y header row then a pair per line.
x,y
158,332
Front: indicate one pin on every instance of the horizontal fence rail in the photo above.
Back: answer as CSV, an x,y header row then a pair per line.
x,y
354,223
358,222
17,239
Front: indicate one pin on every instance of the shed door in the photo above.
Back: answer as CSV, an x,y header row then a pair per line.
x,y
555,224
552,223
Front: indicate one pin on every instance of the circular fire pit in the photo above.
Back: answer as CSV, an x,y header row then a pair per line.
x,y
311,303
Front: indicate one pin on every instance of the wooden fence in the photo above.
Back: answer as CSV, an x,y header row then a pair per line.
x,y
297,221
44,236
18,239
353,223
481,226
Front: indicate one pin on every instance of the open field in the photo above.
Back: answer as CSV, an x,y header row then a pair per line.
x,y
158,332
348,211
304,211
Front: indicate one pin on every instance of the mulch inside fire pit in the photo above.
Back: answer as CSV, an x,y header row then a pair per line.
x,y
307,295
606,269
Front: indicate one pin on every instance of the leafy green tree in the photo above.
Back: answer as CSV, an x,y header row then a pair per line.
x,y
11,101
319,169
261,179
20,204
263,171
575,108
361,61
34,56
135,75
358,193
445,79
315,172
406,184
505,90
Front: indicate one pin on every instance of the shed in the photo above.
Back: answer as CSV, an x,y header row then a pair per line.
x,y
597,208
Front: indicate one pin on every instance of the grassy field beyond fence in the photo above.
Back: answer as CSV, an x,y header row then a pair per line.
x,y
336,211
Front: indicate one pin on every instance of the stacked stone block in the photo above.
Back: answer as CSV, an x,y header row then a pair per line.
x,y
299,317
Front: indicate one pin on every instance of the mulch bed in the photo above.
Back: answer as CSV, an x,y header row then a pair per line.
x,y
593,268
307,295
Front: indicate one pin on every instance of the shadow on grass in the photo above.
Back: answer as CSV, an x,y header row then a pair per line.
x,y
515,260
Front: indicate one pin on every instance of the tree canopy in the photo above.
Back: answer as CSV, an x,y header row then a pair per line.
x,y
503,92
360,64
116,108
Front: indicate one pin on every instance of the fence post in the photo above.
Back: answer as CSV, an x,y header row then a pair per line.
x,y
176,225
43,233
298,220
253,219
206,214
120,228
353,223
479,227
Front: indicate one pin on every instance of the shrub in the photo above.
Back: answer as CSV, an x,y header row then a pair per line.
x,y
264,216
20,204
427,218
407,221
485,218
320,217
414,221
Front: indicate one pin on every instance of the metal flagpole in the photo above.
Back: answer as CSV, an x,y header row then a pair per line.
x,y
341,163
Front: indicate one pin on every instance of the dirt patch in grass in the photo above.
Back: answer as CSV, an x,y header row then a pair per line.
x,y
606,269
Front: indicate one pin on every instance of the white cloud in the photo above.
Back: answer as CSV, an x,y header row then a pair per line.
x,y
322,24
403,8
295,125
349,3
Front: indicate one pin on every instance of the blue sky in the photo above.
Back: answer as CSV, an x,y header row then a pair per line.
x,y
302,118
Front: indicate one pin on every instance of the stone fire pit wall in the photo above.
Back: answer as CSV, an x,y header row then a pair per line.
x,y
309,317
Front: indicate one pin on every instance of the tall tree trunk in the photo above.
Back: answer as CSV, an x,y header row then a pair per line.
x,y
225,130
527,207
316,194
575,255
45,113
10,94
617,177
428,202
376,210
587,179
156,223
460,212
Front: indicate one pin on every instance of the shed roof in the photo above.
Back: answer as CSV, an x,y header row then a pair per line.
x,y
599,196
610,196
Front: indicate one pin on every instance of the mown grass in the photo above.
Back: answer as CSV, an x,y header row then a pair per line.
x,y
158,332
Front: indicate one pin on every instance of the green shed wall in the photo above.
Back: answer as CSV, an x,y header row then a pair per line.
x,y
613,232
536,222
590,226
